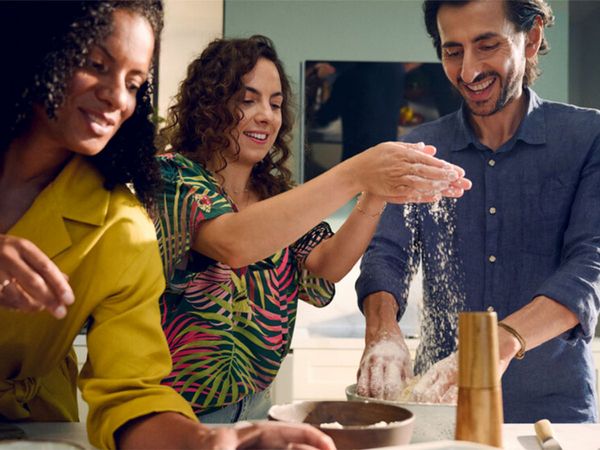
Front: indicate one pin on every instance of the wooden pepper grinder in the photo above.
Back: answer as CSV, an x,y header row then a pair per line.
x,y
479,415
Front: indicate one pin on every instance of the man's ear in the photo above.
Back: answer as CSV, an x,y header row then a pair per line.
x,y
534,38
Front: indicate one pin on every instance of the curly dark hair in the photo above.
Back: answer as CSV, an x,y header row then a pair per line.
x,y
206,111
43,43
521,13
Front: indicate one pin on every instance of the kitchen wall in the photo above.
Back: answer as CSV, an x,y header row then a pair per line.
x,y
189,26
369,30
584,48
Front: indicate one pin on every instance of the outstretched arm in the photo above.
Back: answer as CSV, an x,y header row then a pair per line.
x,y
401,172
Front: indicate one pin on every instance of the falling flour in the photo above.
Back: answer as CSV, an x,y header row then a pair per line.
x,y
442,278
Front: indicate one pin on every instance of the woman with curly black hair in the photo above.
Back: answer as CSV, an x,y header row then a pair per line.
x,y
239,245
76,246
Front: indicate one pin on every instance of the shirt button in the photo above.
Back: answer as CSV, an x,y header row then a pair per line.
x,y
492,210
491,163
492,259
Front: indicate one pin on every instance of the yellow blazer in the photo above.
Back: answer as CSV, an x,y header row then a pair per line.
x,y
106,244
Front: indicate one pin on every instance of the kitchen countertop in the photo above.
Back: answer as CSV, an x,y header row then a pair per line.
x,y
516,436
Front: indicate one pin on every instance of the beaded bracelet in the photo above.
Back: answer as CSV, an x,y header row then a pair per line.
x,y
521,353
362,211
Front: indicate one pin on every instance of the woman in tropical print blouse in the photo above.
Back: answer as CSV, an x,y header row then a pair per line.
x,y
239,246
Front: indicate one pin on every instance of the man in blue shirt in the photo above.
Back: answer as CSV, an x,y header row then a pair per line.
x,y
525,240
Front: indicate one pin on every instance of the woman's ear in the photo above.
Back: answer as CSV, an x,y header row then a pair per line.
x,y
534,38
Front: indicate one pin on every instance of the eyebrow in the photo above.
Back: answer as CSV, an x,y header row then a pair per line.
x,y
113,59
479,38
257,92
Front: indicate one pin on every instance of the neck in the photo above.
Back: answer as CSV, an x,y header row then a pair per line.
x,y
235,178
493,131
31,160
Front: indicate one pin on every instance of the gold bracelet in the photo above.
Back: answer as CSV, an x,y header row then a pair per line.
x,y
362,211
521,353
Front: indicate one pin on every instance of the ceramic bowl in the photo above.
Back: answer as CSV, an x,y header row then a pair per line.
x,y
433,421
351,425
35,444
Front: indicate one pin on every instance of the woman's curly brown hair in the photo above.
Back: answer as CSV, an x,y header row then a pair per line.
x,y
202,121
43,43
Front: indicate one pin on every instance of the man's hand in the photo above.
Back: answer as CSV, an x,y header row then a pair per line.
x,y
439,383
385,367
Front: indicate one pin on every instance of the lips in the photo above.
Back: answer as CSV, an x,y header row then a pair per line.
x,y
257,136
479,91
99,123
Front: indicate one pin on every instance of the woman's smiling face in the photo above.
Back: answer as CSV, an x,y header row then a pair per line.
x,y
102,94
261,109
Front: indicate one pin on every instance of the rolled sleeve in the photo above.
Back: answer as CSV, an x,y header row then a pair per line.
x,y
392,257
576,283
314,290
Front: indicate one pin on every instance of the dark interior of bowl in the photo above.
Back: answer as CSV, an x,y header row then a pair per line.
x,y
355,414
355,419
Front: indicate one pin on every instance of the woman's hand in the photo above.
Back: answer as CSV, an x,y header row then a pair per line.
x,y
273,435
173,430
30,281
407,173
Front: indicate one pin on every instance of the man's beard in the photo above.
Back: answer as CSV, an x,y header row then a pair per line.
x,y
508,91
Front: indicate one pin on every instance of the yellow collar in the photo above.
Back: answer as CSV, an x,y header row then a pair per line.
x,y
77,194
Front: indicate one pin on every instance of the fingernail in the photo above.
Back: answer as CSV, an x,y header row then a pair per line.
x,y
60,312
452,175
420,144
68,297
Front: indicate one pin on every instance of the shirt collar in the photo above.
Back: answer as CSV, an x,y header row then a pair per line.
x,y
532,129
79,193
76,194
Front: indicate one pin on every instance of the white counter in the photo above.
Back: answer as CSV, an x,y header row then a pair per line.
x,y
515,436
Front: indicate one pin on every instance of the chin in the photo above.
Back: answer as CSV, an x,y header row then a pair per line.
x,y
87,151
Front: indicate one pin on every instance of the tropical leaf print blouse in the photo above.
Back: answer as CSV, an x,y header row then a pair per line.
x,y
228,329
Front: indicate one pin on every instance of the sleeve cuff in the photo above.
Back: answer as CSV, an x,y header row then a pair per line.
x,y
377,278
580,300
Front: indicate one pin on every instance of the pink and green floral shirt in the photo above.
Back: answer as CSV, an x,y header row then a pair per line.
x,y
228,329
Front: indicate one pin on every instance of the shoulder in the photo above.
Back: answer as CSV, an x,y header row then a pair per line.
x,y
127,222
175,167
436,131
569,114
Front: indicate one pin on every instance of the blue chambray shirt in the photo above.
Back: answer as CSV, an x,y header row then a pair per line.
x,y
529,226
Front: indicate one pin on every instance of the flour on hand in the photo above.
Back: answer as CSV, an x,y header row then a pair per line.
x,y
385,369
439,383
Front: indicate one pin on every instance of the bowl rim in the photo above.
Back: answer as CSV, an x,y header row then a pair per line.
x,y
390,425
351,391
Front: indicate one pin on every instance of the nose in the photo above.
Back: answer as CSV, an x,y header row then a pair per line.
x,y
264,113
114,92
471,67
